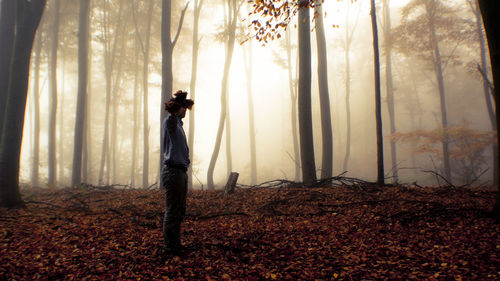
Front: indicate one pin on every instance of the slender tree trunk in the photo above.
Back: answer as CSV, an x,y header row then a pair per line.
x,y
305,114
324,95
7,26
27,20
389,86
490,11
61,126
225,78
251,118
438,68
348,40
87,139
293,97
136,114
378,110
109,58
53,96
192,86
35,162
167,48
83,42
114,123
145,87
229,156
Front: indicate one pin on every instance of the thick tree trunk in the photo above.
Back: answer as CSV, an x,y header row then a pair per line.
x,y
192,86
486,87
491,12
83,42
53,96
389,86
378,109
7,26
251,118
304,94
324,95
27,20
35,161
293,98
223,99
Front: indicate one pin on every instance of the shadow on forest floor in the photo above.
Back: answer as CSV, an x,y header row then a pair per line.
x,y
291,233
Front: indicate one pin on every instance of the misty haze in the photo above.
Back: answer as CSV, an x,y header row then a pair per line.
x,y
301,112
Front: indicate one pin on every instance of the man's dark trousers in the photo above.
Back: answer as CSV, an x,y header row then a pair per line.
x,y
174,180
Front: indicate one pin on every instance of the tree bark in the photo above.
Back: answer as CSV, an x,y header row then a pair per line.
x,y
490,11
324,95
7,27
378,110
231,25
192,86
304,95
28,16
293,98
167,49
83,42
389,86
35,161
145,88
53,96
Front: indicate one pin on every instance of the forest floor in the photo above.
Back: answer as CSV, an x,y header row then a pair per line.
x,y
288,233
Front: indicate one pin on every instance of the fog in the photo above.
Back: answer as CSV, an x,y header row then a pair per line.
x,y
416,96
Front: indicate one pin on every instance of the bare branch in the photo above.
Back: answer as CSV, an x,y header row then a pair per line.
x,y
179,27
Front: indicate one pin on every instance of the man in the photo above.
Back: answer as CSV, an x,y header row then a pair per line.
x,y
175,165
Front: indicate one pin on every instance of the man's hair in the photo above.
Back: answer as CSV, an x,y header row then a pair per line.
x,y
179,100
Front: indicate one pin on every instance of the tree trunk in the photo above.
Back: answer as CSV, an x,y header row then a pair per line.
x,y
167,48
114,123
348,41
7,26
145,87
229,156
438,69
251,118
293,97
27,20
53,96
231,25
192,86
35,161
486,87
378,110
61,125
135,114
304,94
491,11
109,58
324,95
83,42
389,86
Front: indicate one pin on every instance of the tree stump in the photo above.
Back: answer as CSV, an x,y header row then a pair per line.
x,y
231,183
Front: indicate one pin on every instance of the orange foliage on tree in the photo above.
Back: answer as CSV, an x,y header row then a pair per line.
x,y
467,146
